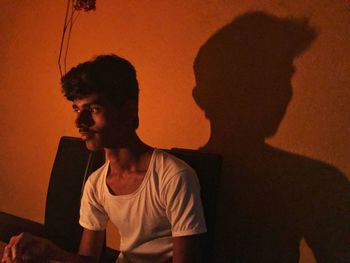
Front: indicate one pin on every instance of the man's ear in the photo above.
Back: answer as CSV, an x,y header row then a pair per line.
x,y
130,108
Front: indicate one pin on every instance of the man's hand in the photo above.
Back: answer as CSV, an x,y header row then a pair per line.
x,y
26,248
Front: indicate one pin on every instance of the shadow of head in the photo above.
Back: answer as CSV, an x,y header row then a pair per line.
x,y
243,73
269,198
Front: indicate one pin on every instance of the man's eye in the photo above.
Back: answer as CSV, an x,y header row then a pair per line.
x,y
76,110
94,109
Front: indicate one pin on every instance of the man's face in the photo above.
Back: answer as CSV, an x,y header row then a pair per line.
x,y
100,124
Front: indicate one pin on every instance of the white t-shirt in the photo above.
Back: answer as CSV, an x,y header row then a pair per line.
x,y
167,204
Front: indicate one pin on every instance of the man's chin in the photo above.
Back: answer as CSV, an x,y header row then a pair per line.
x,y
93,146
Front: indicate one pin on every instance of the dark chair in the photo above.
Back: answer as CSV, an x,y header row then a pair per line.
x,y
73,164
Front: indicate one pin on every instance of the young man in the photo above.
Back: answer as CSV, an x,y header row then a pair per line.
x,y
152,197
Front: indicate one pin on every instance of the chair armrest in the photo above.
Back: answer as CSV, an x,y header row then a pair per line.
x,y
13,225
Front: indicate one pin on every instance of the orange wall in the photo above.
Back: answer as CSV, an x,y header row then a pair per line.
x,y
161,38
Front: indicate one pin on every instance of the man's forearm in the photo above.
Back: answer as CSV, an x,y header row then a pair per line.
x,y
186,249
26,247
73,258
59,255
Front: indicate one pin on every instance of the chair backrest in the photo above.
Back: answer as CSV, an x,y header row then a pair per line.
x,y
74,163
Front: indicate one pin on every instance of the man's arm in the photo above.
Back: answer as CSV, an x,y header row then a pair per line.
x,y
186,249
185,213
26,247
91,244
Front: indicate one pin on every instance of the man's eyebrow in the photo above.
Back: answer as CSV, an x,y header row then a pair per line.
x,y
86,105
95,102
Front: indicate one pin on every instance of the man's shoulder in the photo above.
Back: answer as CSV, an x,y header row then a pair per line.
x,y
168,167
169,162
97,176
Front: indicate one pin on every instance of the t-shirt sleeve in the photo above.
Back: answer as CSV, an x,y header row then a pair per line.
x,y
92,214
183,204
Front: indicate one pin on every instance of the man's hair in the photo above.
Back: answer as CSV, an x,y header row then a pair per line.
x,y
108,75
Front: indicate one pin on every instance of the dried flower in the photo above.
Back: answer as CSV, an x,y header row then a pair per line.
x,y
85,5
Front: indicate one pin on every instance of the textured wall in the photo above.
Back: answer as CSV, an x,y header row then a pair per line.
x,y
162,39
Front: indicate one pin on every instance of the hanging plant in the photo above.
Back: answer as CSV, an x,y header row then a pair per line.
x,y
72,11
85,5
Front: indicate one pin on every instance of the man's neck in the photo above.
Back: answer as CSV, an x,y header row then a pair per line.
x,y
134,157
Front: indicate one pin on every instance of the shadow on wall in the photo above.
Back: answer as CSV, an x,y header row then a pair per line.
x,y
270,199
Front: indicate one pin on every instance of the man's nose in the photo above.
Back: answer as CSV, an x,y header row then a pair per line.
x,y
84,119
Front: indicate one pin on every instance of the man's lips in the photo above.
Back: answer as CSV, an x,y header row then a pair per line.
x,y
86,134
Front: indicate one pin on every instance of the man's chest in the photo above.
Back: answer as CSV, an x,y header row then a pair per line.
x,y
118,185
141,213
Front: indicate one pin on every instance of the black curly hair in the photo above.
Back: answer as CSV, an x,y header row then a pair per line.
x,y
108,75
